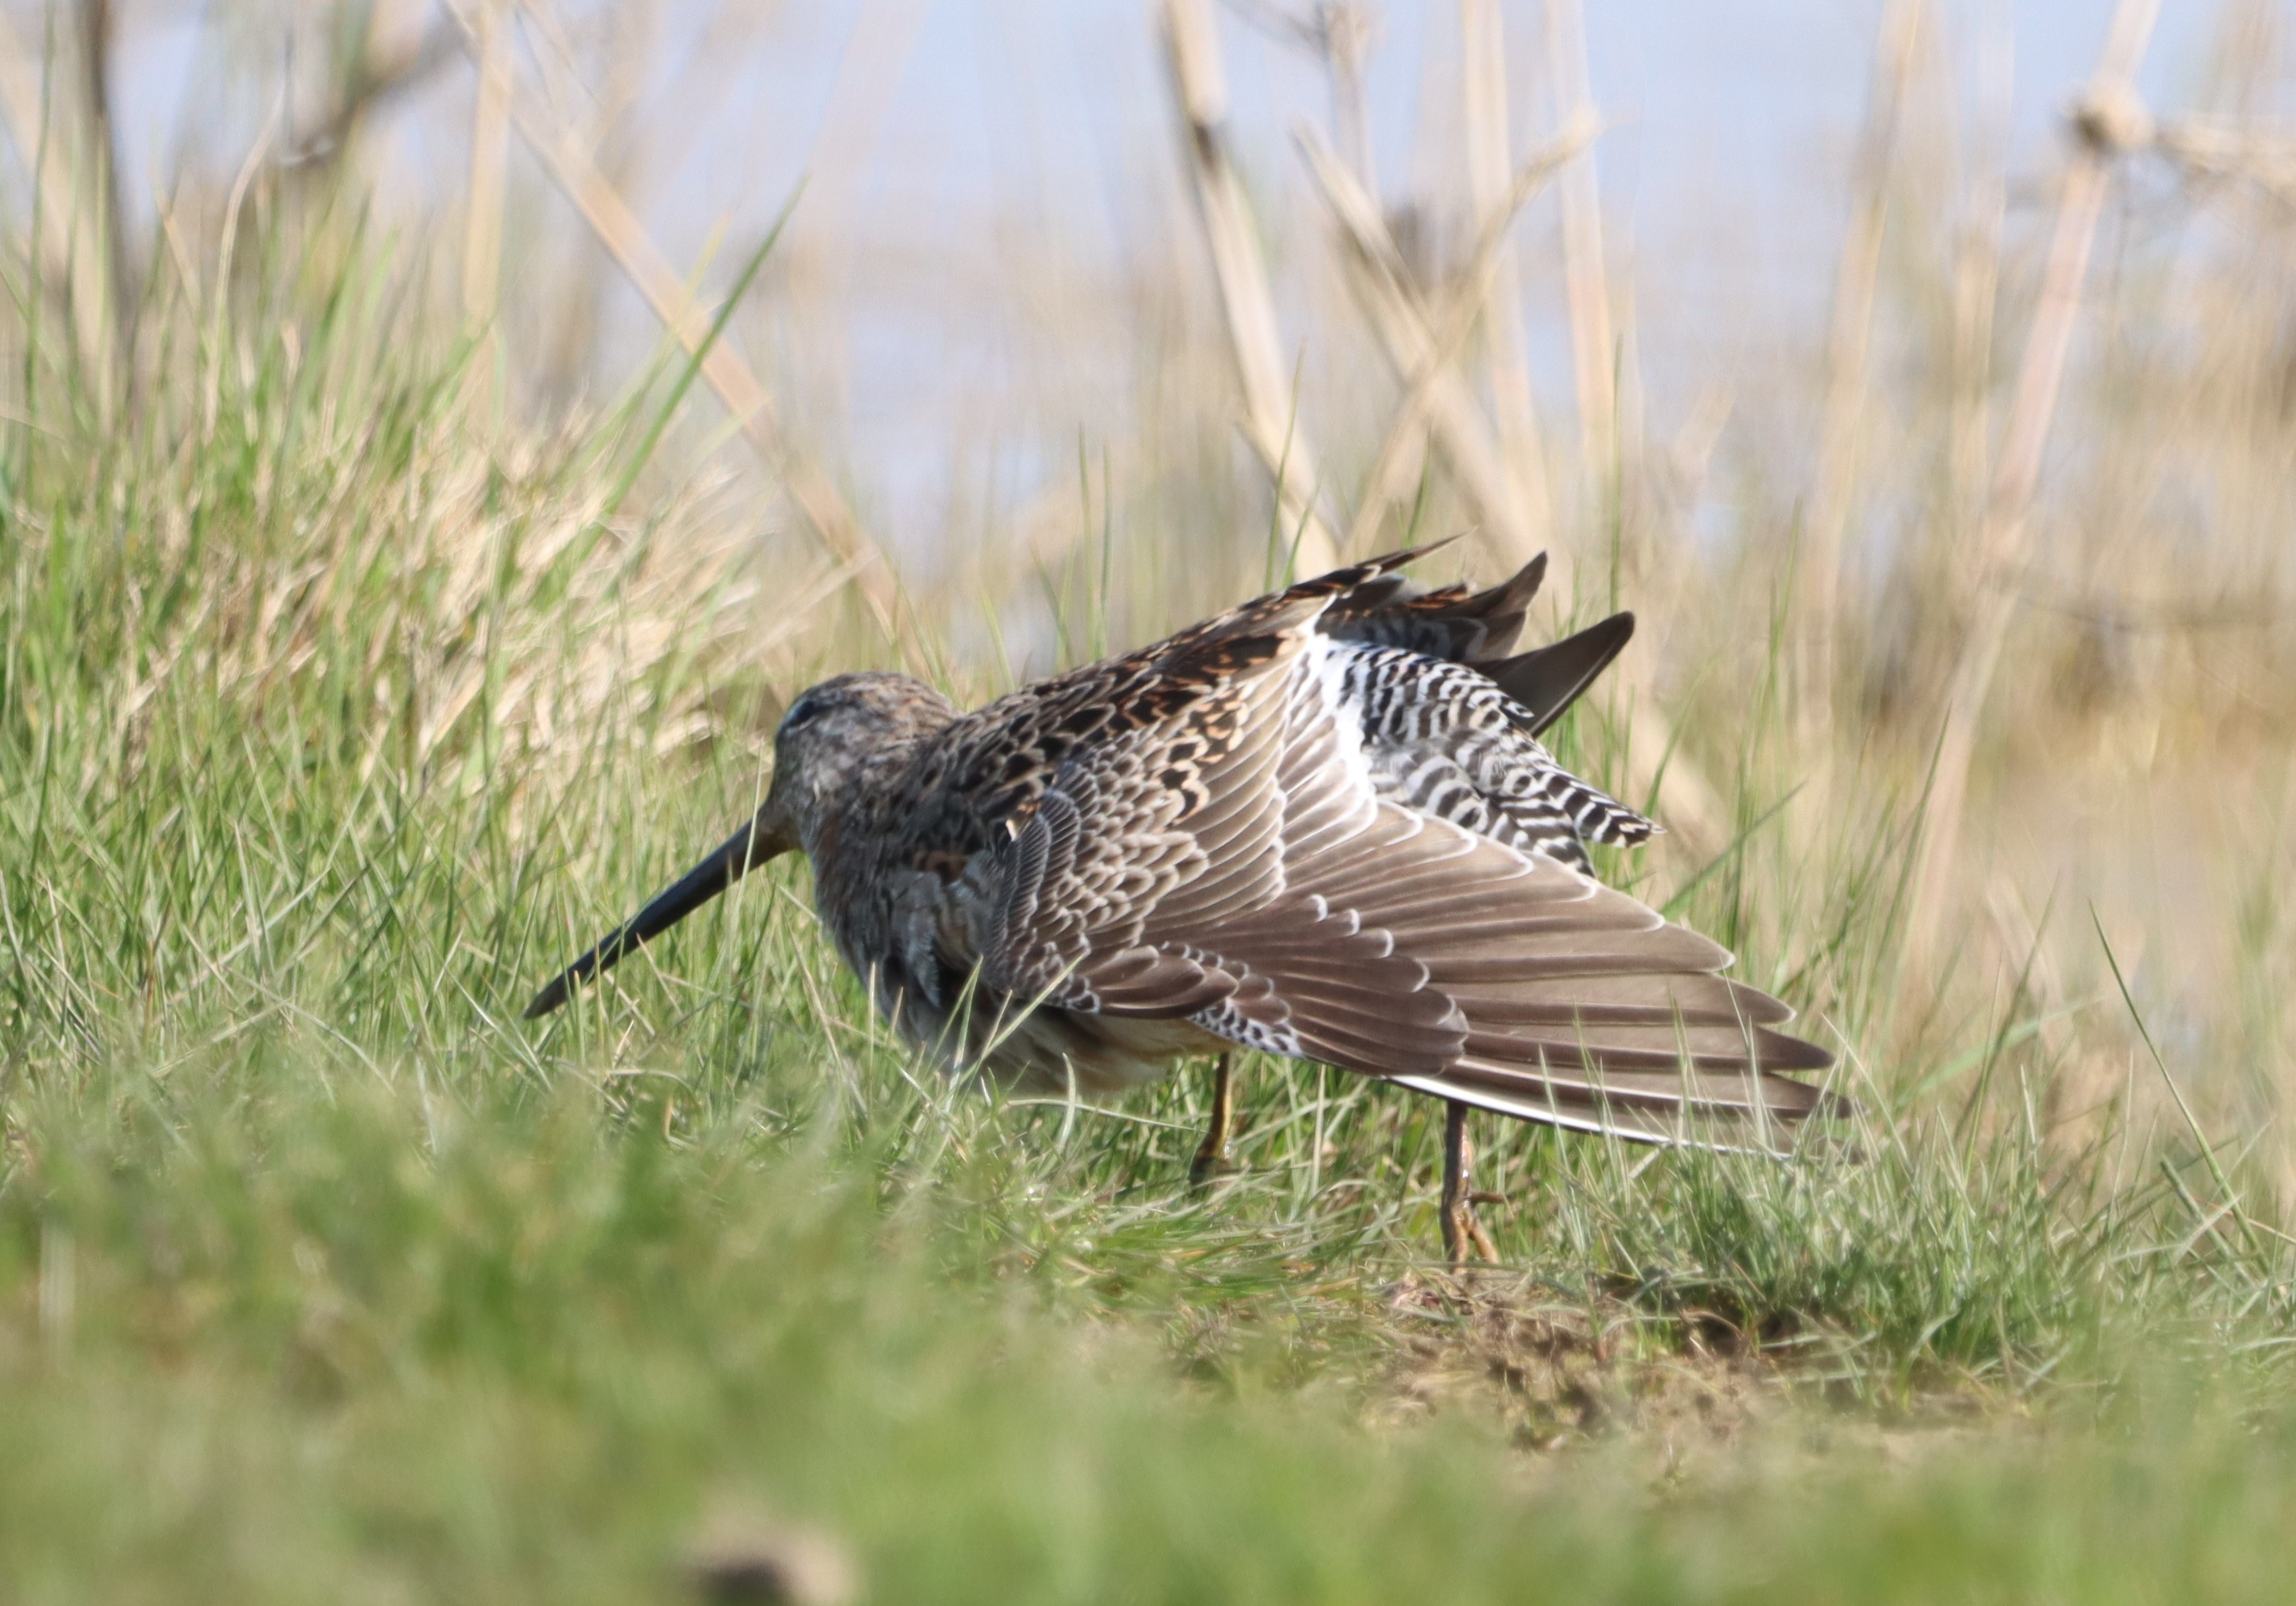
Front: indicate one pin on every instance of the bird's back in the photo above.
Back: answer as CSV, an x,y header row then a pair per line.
x,y
1435,657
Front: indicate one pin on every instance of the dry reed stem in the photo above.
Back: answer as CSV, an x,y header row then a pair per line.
x,y
864,94
1270,421
1592,347
97,31
1347,31
823,247
2211,147
1489,159
2109,116
1976,286
1441,332
599,114
575,313
1400,318
482,229
576,172
396,54
1344,35
68,229
1844,409
1339,34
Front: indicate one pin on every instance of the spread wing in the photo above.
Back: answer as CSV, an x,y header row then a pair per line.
x,y
1234,864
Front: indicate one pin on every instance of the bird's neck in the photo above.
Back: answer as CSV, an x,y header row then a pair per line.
x,y
848,817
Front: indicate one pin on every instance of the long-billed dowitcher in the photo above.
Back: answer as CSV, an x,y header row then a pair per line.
x,y
1320,825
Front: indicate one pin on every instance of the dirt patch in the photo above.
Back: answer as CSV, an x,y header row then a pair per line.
x,y
1559,1370
1680,1401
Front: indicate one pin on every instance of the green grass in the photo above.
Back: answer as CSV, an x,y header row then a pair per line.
x,y
331,722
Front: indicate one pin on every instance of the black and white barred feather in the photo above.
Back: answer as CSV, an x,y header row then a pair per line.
x,y
1445,740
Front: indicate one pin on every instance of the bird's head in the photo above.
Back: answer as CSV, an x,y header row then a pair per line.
x,y
834,741
831,742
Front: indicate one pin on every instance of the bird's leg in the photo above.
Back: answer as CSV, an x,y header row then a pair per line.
x,y
1459,1227
1211,1154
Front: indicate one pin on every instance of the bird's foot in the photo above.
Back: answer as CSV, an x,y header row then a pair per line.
x,y
1212,1162
1461,1229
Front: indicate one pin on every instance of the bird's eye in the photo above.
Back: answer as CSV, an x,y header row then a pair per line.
x,y
803,711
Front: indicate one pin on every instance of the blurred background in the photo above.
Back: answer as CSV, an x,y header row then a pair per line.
x,y
1922,375
974,172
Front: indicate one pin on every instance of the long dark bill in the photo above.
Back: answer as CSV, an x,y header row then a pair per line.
x,y
733,859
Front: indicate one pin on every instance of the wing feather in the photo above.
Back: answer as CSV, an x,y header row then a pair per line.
x,y
1235,861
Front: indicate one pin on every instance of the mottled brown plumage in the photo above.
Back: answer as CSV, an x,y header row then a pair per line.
x,y
1319,825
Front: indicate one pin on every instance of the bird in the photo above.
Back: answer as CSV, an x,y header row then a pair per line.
x,y
1320,825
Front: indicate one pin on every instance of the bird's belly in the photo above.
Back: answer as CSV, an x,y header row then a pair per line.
x,y
1053,1051
1046,1050
1103,1054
